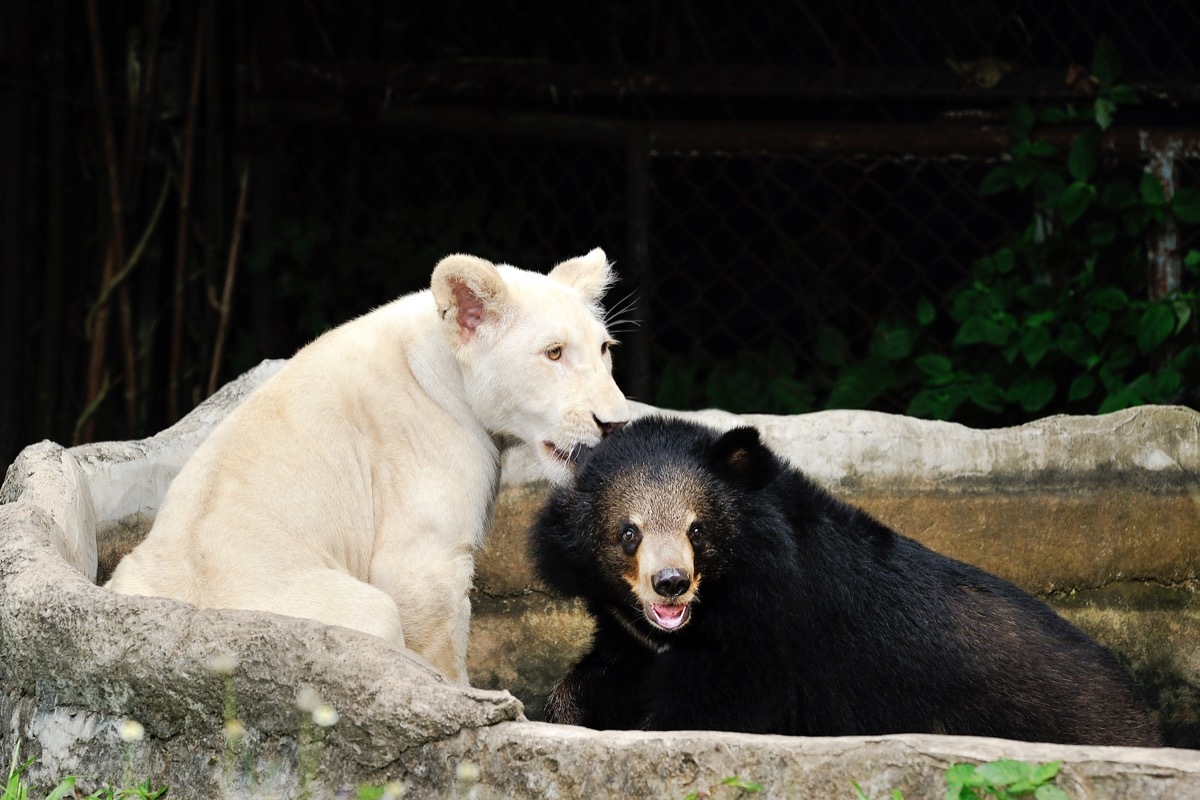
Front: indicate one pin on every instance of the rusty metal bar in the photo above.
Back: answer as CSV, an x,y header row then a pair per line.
x,y
1164,267
708,138
641,377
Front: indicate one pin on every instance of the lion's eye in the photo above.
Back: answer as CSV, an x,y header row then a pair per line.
x,y
554,352
604,347
696,531
631,537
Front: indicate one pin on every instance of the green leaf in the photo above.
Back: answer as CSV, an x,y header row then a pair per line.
x,y
1004,771
935,367
1074,344
1151,190
1053,115
1185,205
987,395
1124,94
1034,344
1183,313
1097,323
1075,201
832,346
1104,108
981,329
925,311
1022,120
893,343
1025,171
1050,792
1156,325
1192,259
742,783
1106,64
1044,773
1081,162
1081,388
1004,259
858,384
1042,149
1117,401
936,403
791,396
1166,385
60,791
1032,393
859,794
996,181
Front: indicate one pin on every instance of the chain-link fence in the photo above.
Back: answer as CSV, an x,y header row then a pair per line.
x,y
759,174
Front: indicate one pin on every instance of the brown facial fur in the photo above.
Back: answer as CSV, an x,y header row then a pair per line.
x,y
662,505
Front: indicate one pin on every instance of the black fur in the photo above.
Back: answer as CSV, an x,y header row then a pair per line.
x,y
811,618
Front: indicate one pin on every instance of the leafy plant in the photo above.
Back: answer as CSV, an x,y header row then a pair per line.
x,y
741,784
1004,779
15,787
1055,319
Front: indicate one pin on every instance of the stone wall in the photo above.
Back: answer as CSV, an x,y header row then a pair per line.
x,y
1097,512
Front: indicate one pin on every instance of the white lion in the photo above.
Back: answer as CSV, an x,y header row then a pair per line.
x,y
354,486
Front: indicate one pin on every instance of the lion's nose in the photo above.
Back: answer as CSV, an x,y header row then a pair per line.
x,y
609,427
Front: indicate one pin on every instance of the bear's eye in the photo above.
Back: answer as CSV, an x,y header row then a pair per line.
x,y
696,531
554,352
631,537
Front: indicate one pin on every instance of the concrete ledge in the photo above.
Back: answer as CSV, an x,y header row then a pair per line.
x,y
1085,505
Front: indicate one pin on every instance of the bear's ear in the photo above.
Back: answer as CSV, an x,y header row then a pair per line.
x,y
590,275
740,456
469,292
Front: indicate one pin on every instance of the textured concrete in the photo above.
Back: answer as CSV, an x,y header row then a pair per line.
x,y
1098,509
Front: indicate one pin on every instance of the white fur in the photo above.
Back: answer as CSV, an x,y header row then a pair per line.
x,y
355,485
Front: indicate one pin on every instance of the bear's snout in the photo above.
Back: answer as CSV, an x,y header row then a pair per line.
x,y
671,582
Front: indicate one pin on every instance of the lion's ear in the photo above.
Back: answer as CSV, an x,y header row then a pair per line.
x,y
589,274
469,293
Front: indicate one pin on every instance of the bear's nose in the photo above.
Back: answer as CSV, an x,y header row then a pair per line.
x,y
671,582
609,427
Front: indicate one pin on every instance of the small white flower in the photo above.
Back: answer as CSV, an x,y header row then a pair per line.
x,y
467,772
234,730
307,698
223,663
131,731
394,791
325,715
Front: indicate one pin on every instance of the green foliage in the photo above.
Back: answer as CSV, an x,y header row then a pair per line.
x,y
1004,779
15,787
743,786
1055,320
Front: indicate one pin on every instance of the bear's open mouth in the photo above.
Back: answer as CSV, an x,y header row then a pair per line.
x,y
669,617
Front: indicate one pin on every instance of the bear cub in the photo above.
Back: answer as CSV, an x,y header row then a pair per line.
x,y
730,592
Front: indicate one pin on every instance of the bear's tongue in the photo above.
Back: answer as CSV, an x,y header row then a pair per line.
x,y
669,617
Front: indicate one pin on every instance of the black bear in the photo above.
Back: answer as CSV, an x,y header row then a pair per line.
x,y
730,592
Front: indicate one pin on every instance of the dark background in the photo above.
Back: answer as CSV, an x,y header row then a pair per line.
x,y
187,188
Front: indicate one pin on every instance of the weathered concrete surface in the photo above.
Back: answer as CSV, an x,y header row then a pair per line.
x,y
522,760
76,660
